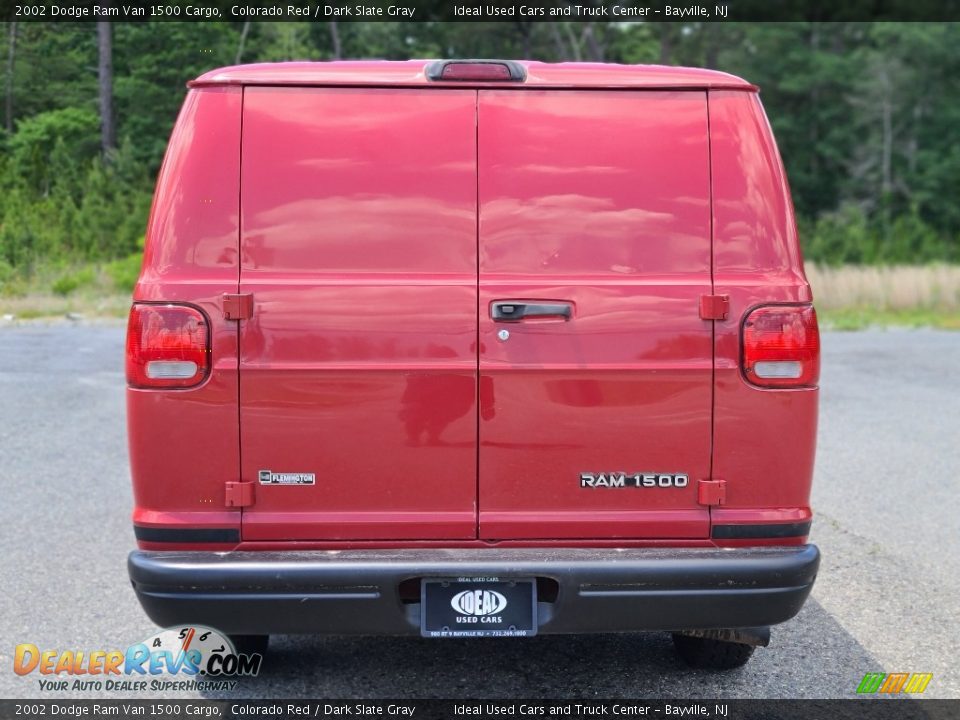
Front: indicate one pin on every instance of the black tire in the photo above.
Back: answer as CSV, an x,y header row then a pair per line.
x,y
709,654
251,644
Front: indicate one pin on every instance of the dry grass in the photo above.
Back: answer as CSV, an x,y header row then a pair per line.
x,y
89,305
847,298
899,288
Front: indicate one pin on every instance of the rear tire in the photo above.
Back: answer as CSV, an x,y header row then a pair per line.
x,y
709,654
251,644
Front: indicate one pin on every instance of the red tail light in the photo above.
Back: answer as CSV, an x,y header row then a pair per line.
x,y
168,346
781,346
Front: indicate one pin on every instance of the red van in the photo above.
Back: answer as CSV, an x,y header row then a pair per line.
x,y
463,348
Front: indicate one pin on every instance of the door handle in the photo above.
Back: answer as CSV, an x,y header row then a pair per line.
x,y
516,310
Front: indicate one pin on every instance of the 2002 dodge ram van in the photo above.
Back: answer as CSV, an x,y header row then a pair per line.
x,y
465,348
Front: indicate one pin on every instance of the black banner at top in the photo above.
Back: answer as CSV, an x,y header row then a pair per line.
x,y
479,10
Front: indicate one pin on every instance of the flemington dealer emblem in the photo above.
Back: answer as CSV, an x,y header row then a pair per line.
x,y
268,477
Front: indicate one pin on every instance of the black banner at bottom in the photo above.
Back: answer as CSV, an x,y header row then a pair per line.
x,y
872,709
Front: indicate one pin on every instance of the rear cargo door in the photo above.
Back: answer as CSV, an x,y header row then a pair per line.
x,y
595,379
358,413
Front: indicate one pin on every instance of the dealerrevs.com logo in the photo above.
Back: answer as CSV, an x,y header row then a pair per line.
x,y
192,657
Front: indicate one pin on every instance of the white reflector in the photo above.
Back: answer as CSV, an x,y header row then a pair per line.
x,y
168,369
778,369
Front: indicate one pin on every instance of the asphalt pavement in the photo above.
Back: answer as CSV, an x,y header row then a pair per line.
x,y
887,521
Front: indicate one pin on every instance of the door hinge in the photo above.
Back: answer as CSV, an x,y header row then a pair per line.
x,y
237,306
239,494
714,307
712,492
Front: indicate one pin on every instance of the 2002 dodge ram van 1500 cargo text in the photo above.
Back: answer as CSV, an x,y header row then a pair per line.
x,y
461,348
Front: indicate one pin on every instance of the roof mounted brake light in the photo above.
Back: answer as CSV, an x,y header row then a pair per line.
x,y
476,71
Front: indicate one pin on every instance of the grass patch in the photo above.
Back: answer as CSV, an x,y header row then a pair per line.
x,y
863,318
52,290
855,297
73,280
846,298
886,287
33,306
117,305
123,273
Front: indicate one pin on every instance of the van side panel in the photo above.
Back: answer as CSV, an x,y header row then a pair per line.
x,y
191,256
764,439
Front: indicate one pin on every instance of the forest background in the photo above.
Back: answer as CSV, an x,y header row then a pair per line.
x,y
866,116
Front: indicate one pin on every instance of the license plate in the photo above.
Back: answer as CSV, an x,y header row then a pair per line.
x,y
478,607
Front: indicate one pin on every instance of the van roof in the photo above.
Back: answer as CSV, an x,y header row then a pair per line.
x,y
412,73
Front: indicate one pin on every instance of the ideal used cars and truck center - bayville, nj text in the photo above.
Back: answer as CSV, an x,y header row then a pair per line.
x,y
358,11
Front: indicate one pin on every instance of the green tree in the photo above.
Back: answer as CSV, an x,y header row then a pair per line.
x,y
33,161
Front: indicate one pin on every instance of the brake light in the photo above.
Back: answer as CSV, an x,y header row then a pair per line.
x,y
168,346
476,70
781,346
